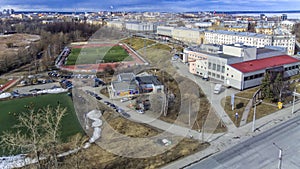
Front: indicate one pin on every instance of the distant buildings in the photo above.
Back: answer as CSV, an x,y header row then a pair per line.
x,y
187,35
251,39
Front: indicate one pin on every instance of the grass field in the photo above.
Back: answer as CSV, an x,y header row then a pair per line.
x,y
92,55
10,109
138,43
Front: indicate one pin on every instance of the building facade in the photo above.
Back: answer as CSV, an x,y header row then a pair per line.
x,y
239,66
251,39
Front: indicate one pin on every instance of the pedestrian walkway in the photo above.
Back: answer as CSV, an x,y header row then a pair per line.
x,y
154,122
237,135
207,88
246,113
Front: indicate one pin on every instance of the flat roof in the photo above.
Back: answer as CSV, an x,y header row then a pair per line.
x,y
261,64
148,80
240,33
124,85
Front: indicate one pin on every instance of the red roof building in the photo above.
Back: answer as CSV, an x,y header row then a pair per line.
x,y
261,64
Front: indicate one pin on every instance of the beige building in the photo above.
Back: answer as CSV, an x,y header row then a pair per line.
x,y
238,28
115,24
188,35
264,30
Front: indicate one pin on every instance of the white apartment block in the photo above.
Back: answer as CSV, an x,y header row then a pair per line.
x,y
251,39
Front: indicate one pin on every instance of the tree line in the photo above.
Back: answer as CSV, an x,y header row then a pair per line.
x,y
53,37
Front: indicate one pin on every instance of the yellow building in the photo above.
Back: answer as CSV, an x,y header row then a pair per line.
x,y
264,30
237,28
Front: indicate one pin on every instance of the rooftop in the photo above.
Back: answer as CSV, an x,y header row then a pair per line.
x,y
240,33
124,85
260,64
125,76
148,80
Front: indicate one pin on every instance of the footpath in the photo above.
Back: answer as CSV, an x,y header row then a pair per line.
x,y
234,134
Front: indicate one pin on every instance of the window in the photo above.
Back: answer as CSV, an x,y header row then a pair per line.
x,y
209,65
227,74
222,77
214,66
213,74
218,76
231,75
218,68
209,73
223,69
227,68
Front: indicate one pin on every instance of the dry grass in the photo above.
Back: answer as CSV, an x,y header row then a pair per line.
x,y
248,93
18,40
96,157
240,105
137,43
261,111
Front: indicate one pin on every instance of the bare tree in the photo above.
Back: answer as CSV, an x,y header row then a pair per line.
x,y
37,133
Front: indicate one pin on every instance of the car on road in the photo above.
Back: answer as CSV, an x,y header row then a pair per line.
x,y
140,111
120,110
124,99
98,97
107,103
125,114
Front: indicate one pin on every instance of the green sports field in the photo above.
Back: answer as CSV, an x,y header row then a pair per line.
x,y
92,55
9,111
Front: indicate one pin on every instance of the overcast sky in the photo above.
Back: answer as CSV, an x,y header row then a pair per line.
x,y
151,5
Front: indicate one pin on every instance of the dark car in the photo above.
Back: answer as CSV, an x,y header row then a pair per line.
x,y
98,98
125,114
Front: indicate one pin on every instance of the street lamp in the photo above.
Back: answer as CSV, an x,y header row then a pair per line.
x,y
279,157
294,96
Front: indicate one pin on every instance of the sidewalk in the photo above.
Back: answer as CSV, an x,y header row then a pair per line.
x,y
238,135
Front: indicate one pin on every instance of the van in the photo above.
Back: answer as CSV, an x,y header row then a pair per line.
x,y
217,88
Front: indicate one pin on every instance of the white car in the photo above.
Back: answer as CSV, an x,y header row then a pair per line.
x,y
124,99
140,111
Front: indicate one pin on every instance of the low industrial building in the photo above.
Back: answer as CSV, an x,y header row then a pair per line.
x,y
124,86
149,84
128,84
237,65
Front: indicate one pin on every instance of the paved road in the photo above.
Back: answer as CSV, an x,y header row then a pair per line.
x,y
259,151
207,88
144,118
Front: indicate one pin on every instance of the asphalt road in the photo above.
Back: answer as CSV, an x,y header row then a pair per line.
x,y
259,152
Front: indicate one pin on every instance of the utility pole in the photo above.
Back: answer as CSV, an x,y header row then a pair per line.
x,y
253,122
279,157
189,113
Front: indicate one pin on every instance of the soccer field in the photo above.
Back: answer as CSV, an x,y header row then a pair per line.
x,y
92,55
10,109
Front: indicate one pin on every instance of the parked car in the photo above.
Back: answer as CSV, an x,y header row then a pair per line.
x,y
125,114
98,98
124,99
140,111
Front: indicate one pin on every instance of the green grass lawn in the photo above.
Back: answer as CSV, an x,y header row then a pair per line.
x,y
92,55
9,111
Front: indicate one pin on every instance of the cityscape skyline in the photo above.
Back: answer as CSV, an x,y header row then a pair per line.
x,y
159,6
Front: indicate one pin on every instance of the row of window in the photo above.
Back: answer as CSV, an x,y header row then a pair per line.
x,y
253,77
291,68
215,75
216,67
